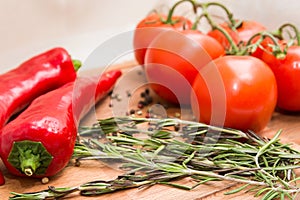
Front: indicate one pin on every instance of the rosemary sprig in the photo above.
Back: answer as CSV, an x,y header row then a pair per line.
x,y
157,151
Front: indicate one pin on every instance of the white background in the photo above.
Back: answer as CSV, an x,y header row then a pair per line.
x,y
28,27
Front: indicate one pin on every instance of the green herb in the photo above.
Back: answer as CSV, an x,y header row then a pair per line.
x,y
158,151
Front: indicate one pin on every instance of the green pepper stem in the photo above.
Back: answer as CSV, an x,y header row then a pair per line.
x,y
29,157
28,171
77,64
29,162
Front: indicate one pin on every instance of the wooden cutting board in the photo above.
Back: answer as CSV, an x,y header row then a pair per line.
x,y
128,90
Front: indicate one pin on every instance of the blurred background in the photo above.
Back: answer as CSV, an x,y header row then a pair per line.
x,y
31,26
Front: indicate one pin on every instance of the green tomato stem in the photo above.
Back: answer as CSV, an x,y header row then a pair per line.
x,y
195,24
169,19
277,52
234,48
295,29
233,23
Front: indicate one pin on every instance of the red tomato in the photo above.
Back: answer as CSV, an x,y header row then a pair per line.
x,y
173,59
148,28
287,73
242,33
235,91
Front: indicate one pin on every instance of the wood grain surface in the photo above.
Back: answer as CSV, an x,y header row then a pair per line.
x,y
133,81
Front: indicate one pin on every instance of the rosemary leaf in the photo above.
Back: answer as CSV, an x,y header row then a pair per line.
x,y
243,187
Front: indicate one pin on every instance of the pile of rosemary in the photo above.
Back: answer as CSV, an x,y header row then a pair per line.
x,y
159,151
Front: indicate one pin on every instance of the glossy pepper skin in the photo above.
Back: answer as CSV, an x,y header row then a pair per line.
x,y
51,121
32,78
2,180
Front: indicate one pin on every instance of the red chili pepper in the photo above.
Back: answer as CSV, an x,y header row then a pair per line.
x,y
40,141
2,180
34,77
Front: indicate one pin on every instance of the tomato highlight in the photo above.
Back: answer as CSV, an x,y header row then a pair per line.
x,y
173,60
250,91
287,73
